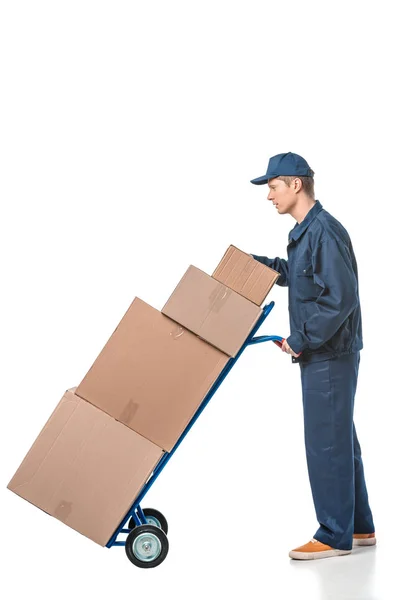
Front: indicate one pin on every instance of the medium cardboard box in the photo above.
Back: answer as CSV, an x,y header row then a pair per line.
x,y
212,310
245,275
152,374
85,468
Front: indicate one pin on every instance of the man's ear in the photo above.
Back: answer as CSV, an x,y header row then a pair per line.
x,y
297,184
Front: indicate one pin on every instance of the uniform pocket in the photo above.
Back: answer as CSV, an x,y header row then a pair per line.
x,y
316,376
304,281
304,270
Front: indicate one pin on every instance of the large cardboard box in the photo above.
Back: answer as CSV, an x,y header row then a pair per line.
x,y
212,310
245,275
85,468
152,374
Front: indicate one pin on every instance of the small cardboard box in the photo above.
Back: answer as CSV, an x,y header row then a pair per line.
x,y
152,374
212,310
85,468
245,275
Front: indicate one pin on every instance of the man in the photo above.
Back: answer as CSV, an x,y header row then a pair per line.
x,y
325,339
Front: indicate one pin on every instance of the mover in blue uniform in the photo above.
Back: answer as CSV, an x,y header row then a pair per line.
x,y
325,339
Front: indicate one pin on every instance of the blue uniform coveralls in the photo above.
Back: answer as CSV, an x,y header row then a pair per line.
x,y
325,325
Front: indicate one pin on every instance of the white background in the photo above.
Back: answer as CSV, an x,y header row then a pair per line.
x,y
129,134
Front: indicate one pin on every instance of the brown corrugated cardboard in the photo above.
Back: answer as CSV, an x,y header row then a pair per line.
x,y
85,468
152,374
245,275
212,310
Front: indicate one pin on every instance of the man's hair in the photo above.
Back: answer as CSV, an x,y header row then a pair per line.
x,y
308,183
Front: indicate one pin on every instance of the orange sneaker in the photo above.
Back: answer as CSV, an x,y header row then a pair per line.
x,y
364,539
315,549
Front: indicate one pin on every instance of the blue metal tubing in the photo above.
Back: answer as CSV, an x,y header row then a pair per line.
x,y
136,518
141,516
167,455
265,338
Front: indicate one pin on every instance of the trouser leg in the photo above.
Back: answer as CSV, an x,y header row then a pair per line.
x,y
328,402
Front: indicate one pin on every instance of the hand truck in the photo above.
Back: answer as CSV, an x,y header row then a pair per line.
x,y
146,545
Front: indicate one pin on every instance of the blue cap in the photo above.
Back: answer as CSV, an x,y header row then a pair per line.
x,y
285,164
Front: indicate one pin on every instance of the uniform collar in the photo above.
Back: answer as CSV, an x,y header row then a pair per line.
x,y
300,228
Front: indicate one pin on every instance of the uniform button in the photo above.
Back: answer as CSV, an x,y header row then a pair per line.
x,y
304,270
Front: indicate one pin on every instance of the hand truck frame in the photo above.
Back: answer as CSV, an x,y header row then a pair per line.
x,y
147,544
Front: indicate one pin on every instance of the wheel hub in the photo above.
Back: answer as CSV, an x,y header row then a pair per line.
x,y
146,547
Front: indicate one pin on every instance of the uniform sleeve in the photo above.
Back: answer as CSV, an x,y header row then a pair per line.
x,y
334,273
278,264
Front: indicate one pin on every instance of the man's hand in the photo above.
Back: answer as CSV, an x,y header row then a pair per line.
x,y
287,348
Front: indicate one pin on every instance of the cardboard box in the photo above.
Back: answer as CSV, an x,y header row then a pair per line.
x,y
85,468
152,374
245,275
212,310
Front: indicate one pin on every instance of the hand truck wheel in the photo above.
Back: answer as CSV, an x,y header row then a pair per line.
x,y
154,517
146,546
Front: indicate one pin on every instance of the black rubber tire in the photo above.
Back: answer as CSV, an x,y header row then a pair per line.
x,y
151,512
156,531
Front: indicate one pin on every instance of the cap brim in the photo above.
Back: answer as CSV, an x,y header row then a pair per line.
x,y
260,180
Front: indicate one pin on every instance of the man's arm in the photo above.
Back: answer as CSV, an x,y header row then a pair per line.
x,y
333,272
278,264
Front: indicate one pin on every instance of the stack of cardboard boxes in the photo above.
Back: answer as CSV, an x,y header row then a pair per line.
x,y
106,436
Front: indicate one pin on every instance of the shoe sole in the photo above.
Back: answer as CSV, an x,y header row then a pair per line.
x,y
364,542
316,555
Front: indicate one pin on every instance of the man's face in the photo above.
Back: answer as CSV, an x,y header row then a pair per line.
x,y
282,196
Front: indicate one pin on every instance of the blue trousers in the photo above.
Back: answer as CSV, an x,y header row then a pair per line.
x,y
333,453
